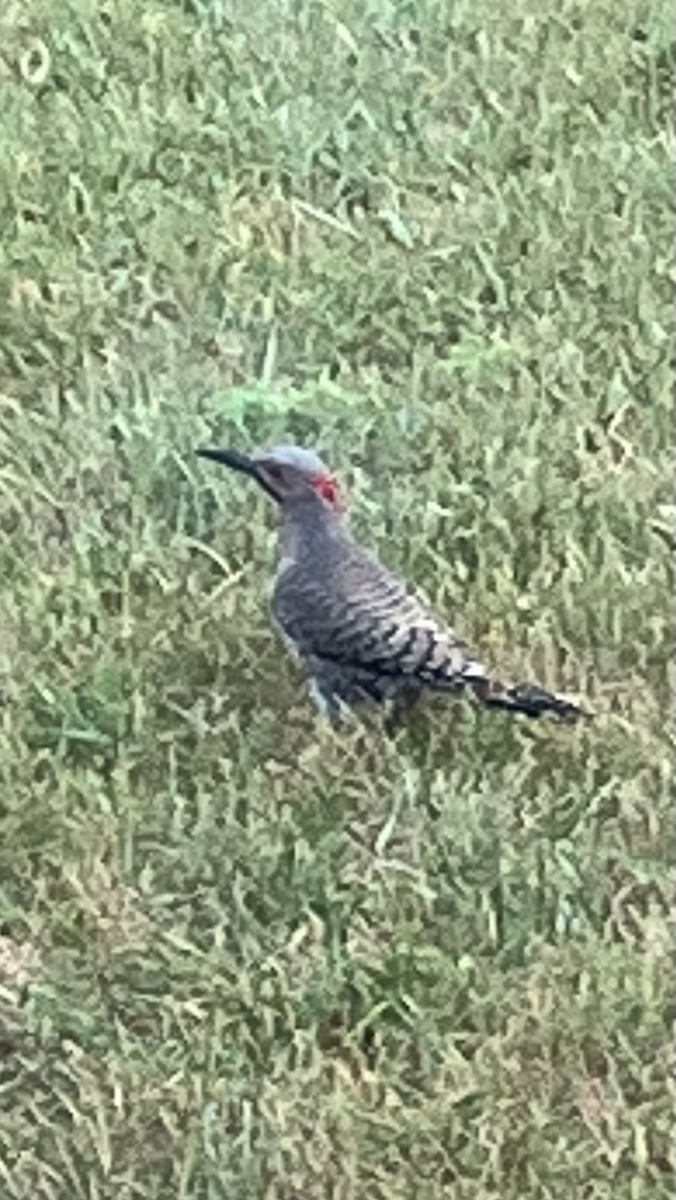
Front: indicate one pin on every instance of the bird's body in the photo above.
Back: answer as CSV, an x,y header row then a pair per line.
x,y
358,630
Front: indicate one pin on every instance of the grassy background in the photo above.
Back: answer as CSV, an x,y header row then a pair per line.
x,y
238,956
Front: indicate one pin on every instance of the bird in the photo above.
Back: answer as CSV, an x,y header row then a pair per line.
x,y
359,631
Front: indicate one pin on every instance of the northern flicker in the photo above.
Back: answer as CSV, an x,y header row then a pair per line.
x,y
357,629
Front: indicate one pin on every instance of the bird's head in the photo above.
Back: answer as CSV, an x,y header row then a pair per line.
x,y
284,472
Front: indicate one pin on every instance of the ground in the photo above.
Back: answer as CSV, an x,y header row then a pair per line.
x,y
240,956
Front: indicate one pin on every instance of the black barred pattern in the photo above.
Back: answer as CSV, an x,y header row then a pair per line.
x,y
362,635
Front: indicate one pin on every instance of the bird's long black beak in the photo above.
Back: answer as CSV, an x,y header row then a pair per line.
x,y
243,463
231,458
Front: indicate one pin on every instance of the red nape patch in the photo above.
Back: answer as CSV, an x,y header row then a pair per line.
x,y
327,487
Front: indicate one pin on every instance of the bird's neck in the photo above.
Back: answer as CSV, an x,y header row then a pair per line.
x,y
308,526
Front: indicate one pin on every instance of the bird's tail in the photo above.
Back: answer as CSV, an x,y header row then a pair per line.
x,y
525,698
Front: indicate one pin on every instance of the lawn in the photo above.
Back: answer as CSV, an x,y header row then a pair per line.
x,y
242,956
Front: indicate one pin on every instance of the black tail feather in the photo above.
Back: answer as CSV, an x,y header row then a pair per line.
x,y
528,699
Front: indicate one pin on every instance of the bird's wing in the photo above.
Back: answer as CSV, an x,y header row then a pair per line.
x,y
363,617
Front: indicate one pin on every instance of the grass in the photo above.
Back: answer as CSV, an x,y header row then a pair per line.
x,y
240,957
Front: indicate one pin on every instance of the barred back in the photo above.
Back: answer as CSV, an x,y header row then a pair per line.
x,y
361,632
